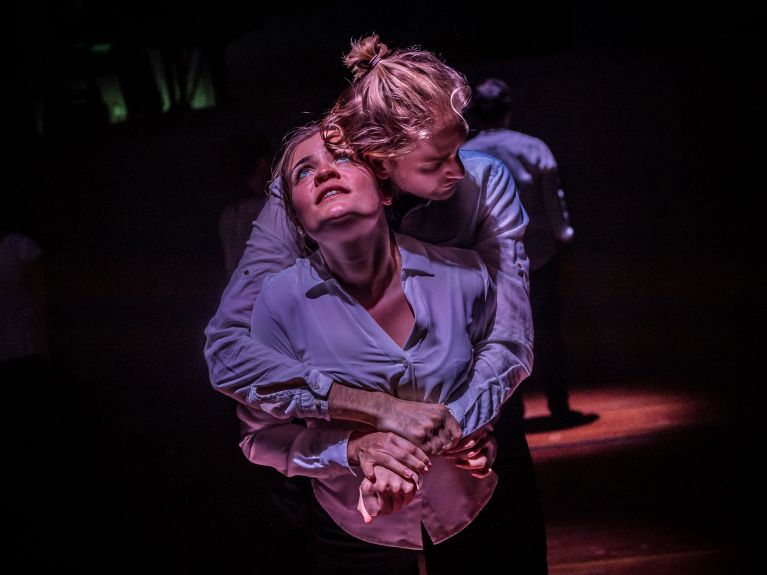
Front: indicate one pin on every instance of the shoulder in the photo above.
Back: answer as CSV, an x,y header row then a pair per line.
x,y
533,141
475,161
515,143
460,272
287,284
487,140
443,259
535,150
452,255
283,296
487,180
481,167
528,140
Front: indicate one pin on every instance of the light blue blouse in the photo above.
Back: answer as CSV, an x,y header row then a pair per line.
x,y
484,214
303,313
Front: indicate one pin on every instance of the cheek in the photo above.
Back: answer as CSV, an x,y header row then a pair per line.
x,y
407,180
423,181
366,187
300,203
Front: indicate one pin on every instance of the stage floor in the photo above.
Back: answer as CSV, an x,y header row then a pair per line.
x,y
652,486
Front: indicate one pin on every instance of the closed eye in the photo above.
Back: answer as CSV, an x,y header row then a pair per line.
x,y
433,167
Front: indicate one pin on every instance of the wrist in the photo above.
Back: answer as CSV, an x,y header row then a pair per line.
x,y
382,407
455,411
352,454
351,404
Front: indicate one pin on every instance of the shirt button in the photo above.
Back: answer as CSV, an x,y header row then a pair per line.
x,y
317,403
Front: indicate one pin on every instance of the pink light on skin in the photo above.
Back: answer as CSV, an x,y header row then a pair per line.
x,y
432,169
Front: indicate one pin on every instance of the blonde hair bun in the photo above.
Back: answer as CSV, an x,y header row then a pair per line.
x,y
364,55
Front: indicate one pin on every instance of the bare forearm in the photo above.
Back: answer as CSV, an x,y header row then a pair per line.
x,y
352,404
429,426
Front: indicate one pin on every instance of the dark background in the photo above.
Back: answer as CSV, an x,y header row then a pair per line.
x,y
648,114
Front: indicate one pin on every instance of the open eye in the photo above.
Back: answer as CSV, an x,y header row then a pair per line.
x,y
302,173
343,158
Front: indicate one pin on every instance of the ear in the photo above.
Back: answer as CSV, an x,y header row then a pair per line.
x,y
380,168
387,194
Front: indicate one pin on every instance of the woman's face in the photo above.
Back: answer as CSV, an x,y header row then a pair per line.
x,y
331,193
432,169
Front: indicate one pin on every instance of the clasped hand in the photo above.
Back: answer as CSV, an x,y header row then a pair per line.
x,y
388,487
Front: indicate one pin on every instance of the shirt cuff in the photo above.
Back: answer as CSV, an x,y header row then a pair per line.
x,y
338,449
319,383
314,403
458,412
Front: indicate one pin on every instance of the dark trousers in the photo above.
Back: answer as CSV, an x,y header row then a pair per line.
x,y
507,536
549,349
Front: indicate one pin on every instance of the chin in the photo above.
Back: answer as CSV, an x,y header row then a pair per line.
x,y
350,221
442,193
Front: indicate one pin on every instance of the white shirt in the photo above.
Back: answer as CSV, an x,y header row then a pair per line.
x,y
305,314
484,214
537,176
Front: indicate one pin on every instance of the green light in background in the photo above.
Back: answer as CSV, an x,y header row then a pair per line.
x,y
204,96
160,78
112,95
101,48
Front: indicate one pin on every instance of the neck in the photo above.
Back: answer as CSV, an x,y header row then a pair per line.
x,y
365,267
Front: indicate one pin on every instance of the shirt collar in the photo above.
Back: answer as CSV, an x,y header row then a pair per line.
x,y
319,280
415,261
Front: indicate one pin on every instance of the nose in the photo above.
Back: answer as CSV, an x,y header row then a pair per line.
x,y
325,172
455,169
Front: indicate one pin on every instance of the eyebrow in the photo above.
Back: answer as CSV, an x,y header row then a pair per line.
x,y
437,157
301,161
299,165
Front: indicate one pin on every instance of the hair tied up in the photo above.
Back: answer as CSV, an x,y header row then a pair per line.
x,y
364,68
365,55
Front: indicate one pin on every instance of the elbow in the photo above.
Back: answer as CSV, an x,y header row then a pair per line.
x,y
255,454
526,358
248,449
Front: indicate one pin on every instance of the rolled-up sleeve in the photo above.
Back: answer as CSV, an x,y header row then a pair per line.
x,y
243,367
503,358
280,391
292,449
478,401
